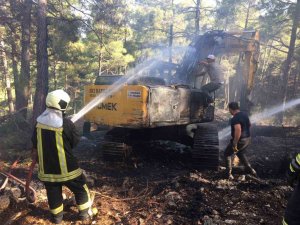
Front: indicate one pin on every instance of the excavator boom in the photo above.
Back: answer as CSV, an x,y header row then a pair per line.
x,y
245,43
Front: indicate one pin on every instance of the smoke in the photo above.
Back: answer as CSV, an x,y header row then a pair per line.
x,y
168,70
157,67
132,74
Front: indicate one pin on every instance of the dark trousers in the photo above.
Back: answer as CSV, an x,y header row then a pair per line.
x,y
292,212
242,146
211,87
77,186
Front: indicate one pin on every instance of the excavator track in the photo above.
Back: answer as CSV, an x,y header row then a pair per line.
x,y
205,151
114,148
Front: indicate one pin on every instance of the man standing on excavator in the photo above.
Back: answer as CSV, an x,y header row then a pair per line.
x,y
292,212
53,140
210,67
240,133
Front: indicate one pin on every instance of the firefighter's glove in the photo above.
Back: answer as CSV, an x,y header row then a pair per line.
x,y
292,174
291,178
235,149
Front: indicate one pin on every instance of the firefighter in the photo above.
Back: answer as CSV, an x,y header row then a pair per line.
x,y
53,139
240,133
292,212
210,67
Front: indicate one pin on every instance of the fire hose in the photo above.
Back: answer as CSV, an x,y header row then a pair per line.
x,y
30,192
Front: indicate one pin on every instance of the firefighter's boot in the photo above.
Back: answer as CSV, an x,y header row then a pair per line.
x,y
87,214
58,218
84,215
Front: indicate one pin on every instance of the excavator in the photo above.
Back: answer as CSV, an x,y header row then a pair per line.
x,y
165,104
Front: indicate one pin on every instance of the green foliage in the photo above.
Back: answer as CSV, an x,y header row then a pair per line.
x,y
117,56
62,32
232,14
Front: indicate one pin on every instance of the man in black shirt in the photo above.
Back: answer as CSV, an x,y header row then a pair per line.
x,y
240,133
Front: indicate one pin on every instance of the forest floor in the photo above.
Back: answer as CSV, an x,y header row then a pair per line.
x,y
160,188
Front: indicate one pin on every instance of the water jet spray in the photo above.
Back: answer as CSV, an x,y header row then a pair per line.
x,y
262,115
129,76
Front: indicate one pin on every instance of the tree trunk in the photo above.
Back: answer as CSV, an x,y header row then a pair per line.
x,y
197,18
42,61
66,76
266,60
100,62
54,74
101,53
247,14
6,78
288,62
171,36
296,79
25,58
14,59
170,43
13,39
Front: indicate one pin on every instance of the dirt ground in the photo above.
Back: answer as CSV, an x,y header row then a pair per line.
x,y
158,187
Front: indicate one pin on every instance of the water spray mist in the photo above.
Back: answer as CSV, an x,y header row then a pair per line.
x,y
262,115
132,74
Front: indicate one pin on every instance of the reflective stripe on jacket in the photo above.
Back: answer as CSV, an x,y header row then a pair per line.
x,y
54,147
295,164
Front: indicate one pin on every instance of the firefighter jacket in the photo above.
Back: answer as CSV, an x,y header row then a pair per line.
x,y
54,147
295,165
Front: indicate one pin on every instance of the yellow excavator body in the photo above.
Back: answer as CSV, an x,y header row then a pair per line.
x,y
126,106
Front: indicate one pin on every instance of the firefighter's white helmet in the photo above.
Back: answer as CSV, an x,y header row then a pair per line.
x,y
58,99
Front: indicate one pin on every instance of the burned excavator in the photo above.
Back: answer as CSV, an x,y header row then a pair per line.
x,y
153,108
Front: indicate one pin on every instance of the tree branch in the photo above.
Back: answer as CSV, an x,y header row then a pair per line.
x,y
6,19
278,49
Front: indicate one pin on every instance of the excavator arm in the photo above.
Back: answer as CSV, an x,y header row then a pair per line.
x,y
245,43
